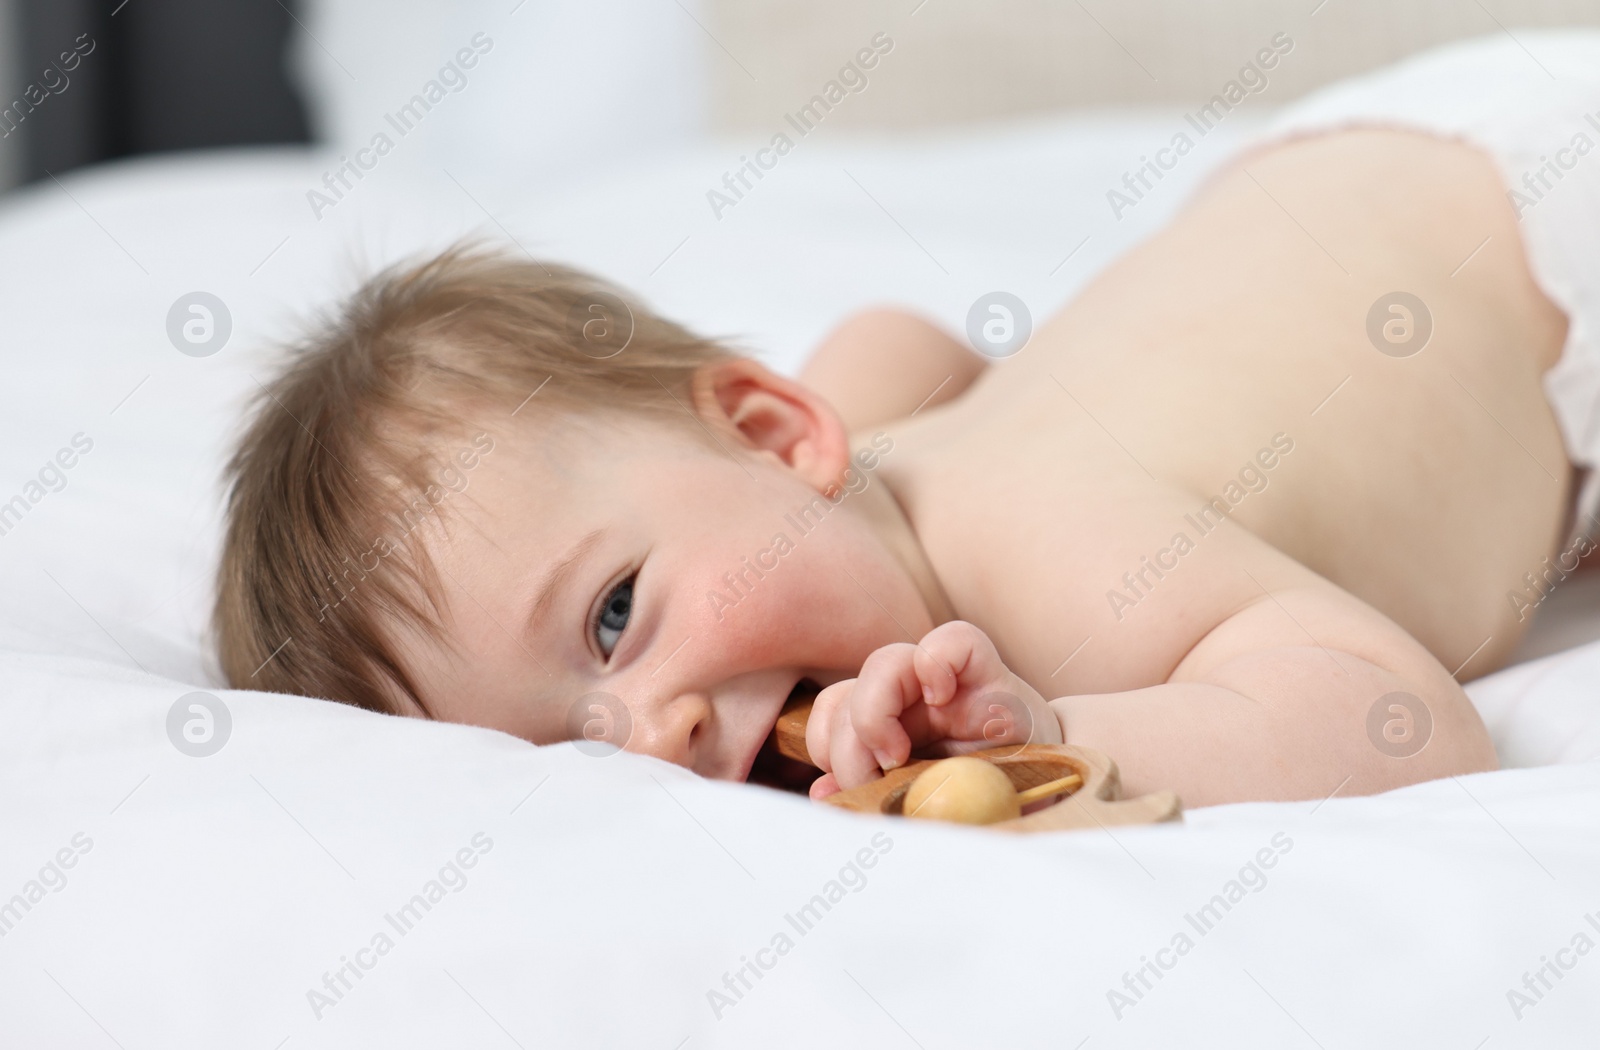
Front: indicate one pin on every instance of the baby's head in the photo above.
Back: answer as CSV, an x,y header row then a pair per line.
x,y
490,489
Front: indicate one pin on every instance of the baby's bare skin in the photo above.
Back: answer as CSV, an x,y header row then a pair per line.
x,y
1378,559
684,575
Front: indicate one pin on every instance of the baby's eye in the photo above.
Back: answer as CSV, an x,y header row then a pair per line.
x,y
613,618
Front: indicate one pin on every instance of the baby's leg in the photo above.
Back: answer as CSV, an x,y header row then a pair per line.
x,y
885,364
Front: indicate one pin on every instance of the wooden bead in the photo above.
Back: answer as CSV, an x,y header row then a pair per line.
x,y
964,790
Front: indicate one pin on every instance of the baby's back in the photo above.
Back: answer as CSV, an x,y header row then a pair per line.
x,y
1339,344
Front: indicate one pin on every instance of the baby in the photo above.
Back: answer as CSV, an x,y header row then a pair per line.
x,y
1239,516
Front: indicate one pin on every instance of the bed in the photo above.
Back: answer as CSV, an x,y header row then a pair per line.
x,y
330,877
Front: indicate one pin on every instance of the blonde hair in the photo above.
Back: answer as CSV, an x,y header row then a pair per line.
x,y
346,448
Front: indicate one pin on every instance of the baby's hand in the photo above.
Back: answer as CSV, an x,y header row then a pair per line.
x,y
950,689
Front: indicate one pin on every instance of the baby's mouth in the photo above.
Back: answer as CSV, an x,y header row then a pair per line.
x,y
775,770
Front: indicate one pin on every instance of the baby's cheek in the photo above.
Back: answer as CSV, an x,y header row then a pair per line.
x,y
759,613
786,597
750,607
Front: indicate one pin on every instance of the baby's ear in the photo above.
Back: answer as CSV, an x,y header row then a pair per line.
x,y
768,413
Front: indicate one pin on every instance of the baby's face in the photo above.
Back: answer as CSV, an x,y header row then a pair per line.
x,y
624,557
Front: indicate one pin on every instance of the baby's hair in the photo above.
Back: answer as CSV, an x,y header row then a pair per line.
x,y
345,450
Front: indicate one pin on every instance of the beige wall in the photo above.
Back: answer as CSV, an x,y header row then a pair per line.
x,y
963,60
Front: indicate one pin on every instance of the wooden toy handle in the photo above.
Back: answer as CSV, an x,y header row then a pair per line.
x,y
789,733
1097,803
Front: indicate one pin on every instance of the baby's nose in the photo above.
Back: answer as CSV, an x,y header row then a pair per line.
x,y
665,726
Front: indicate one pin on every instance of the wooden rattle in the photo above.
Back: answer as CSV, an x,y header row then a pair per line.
x,y
966,790
992,787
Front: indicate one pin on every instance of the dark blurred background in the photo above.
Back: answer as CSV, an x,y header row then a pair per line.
x,y
161,75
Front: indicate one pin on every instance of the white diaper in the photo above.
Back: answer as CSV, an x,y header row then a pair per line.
x,y
1532,103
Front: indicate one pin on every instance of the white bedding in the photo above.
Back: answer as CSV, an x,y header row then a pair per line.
x,y
607,898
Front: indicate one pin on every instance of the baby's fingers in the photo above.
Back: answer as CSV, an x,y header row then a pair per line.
x,y
887,685
850,762
820,725
832,742
824,786
952,655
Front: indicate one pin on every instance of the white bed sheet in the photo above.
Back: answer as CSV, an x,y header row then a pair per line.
x,y
217,892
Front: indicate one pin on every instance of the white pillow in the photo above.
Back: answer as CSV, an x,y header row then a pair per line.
x,y
554,86
1544,711
264,895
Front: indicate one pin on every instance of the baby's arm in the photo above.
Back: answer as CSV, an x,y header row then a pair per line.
x,y
1276,702
1257,710
884,364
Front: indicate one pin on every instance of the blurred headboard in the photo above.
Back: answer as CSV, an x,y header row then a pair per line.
x,y
953,62
94,80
